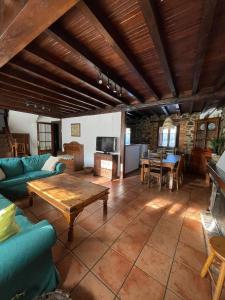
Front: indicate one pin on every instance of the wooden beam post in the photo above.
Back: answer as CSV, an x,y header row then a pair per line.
x,y
113,40
204,37
122,144
34,18
151,19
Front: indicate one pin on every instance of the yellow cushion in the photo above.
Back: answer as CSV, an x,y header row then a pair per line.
x,y
8,226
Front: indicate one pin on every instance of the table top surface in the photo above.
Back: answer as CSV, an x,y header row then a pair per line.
x,y
69,191
170,159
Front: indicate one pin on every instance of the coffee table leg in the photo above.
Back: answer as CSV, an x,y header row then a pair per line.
x,y
70,230
31,199
105,200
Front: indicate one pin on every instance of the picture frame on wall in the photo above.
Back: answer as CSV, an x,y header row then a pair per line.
x,y
75,130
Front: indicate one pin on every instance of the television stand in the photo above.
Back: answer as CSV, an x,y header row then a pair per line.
x,y
106,165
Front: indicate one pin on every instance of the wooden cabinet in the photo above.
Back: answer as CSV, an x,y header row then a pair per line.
x,y
205,131
106,165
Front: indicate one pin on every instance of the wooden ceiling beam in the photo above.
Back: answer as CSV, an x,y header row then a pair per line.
x,y
209,10
30,86
60,88
220,82
150,16
118,46
74,74
34,17
7,90
80,92
9,102
74,46
10,85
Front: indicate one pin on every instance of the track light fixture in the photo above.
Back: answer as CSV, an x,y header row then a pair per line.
x,y
110,85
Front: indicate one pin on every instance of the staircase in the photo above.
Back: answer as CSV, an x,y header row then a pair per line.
x,y
6,140
5,145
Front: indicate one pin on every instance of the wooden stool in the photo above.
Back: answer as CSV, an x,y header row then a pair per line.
x,y
217,244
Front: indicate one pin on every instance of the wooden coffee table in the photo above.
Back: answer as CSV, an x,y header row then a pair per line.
x,y
68,194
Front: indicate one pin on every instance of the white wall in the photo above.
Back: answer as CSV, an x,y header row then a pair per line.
x,y
132,158
91,127
20,122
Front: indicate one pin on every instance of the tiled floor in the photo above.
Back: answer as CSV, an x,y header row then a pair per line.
x,y
150,245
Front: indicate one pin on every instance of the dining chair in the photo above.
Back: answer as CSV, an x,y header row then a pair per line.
x,y
178,174
156,170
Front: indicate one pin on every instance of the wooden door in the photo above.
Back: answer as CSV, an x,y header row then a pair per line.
x,y
45,138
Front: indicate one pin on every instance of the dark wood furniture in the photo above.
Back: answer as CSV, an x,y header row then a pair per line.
x,y
77,151
156,170
68,194
199,159
106,165
169,162
205,131
21,144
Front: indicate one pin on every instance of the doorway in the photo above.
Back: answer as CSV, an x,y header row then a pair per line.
x,y
49,137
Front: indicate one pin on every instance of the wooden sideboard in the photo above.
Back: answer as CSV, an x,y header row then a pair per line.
x,y
77,151
106,165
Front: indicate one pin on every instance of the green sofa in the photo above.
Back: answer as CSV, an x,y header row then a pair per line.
x,y
26,266
19,171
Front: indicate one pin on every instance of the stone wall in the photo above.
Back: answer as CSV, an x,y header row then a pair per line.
x,y
145,130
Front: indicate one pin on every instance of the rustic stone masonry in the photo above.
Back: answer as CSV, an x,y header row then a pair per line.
x,y
145,130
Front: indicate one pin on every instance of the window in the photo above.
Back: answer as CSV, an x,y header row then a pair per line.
x,y
127,137
167,136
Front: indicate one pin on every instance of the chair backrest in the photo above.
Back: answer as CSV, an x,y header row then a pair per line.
x,y
180,167
155,162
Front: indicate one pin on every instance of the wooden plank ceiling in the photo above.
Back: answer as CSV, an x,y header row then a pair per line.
x,y
166,55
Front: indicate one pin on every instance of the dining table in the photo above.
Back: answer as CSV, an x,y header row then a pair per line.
x,y
170,162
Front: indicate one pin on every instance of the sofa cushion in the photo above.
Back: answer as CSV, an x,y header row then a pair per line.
x,y
11,166
39,174
2,175
34,163
5,202
8,225
14,181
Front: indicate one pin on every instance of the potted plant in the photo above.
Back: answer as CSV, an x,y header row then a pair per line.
x,y
217,145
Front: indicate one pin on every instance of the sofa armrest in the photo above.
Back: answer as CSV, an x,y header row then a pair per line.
x,y
60,168
21,250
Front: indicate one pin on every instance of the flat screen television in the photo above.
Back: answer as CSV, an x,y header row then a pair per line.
x,y
106,144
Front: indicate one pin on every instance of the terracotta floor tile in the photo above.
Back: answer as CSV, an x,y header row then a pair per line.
x,y
107,234
71,272
167,228
90,251
193,239
112,269
171,296
129,247
190,256
79,234
119,221
93,222
138,230
91,288
147,220
140,286
51,215
155,264
164,243
59,251
31,216
39,207
188,284
60,225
